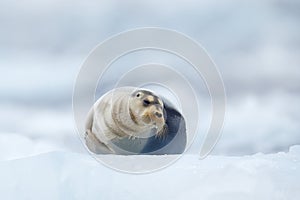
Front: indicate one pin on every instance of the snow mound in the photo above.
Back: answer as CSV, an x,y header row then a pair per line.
x,y
65,175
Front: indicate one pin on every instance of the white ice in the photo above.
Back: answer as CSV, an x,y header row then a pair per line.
x,y
66,175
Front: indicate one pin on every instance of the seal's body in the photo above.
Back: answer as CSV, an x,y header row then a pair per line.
x,y
131,120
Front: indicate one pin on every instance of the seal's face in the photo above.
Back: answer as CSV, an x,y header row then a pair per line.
x,y
147,109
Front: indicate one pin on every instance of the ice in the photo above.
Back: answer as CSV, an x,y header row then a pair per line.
x,y
66,175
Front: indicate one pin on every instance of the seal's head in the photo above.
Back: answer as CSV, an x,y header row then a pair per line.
x,y
146,109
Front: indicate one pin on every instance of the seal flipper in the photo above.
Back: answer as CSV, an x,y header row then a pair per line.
x,y
95,145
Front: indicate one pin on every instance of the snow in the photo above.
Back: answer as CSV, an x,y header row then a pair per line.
x,y
66,175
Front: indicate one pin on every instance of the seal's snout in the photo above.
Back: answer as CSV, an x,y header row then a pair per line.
x,y
150,108
158,114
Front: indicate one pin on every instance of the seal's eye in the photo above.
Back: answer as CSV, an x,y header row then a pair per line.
x,y
138,95
146,102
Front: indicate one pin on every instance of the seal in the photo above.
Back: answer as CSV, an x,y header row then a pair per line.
x,y
130,120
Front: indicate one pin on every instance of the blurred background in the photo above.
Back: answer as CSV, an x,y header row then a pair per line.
x,y
255,44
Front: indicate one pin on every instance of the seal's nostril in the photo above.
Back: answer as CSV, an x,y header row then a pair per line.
x,y
146,102
158,114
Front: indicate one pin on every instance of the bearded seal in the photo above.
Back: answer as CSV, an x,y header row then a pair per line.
x,y
130,120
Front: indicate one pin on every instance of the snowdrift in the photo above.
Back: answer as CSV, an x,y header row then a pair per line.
x,y
66,175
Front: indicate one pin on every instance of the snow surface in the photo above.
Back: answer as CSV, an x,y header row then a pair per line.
x,y
66,175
